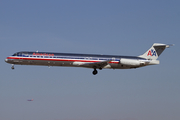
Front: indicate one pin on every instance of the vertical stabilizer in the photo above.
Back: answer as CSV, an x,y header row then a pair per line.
x,y
155,51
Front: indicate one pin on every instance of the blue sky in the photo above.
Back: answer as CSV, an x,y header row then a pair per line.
x,y
118,27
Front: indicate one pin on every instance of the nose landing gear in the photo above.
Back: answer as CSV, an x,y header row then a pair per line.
x,y
12,66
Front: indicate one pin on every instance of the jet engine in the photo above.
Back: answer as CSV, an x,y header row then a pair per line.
x,y
130,62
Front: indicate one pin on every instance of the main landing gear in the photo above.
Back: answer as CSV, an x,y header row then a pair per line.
x,y
95,71
12,66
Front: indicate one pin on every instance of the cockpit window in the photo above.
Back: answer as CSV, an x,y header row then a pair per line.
x,y
15,54
19,54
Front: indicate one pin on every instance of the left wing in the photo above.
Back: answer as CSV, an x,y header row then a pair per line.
x,y
99,65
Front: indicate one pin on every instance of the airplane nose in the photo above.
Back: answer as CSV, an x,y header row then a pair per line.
x,y
6,60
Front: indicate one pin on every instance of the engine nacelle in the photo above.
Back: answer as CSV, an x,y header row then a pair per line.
x,y
130,62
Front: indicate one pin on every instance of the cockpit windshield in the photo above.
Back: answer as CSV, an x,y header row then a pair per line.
x,y
15,54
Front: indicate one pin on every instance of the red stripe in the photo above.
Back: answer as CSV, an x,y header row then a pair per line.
x,y
45,59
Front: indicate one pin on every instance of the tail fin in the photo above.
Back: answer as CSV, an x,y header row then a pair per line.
x,y
154,52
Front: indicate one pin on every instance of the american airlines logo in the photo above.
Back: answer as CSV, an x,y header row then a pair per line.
x,y
43,54
151,53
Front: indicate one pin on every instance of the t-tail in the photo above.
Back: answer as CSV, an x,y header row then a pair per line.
x,y
155,51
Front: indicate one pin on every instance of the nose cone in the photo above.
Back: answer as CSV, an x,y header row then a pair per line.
x,y
6,60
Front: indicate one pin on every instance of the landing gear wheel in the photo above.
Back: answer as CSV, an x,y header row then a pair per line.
x,y
95,72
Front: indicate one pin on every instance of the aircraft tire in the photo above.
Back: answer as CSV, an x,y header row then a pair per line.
x,y
95,72
12,67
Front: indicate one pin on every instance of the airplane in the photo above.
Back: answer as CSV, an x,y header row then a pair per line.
x,y
30,100
93,61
